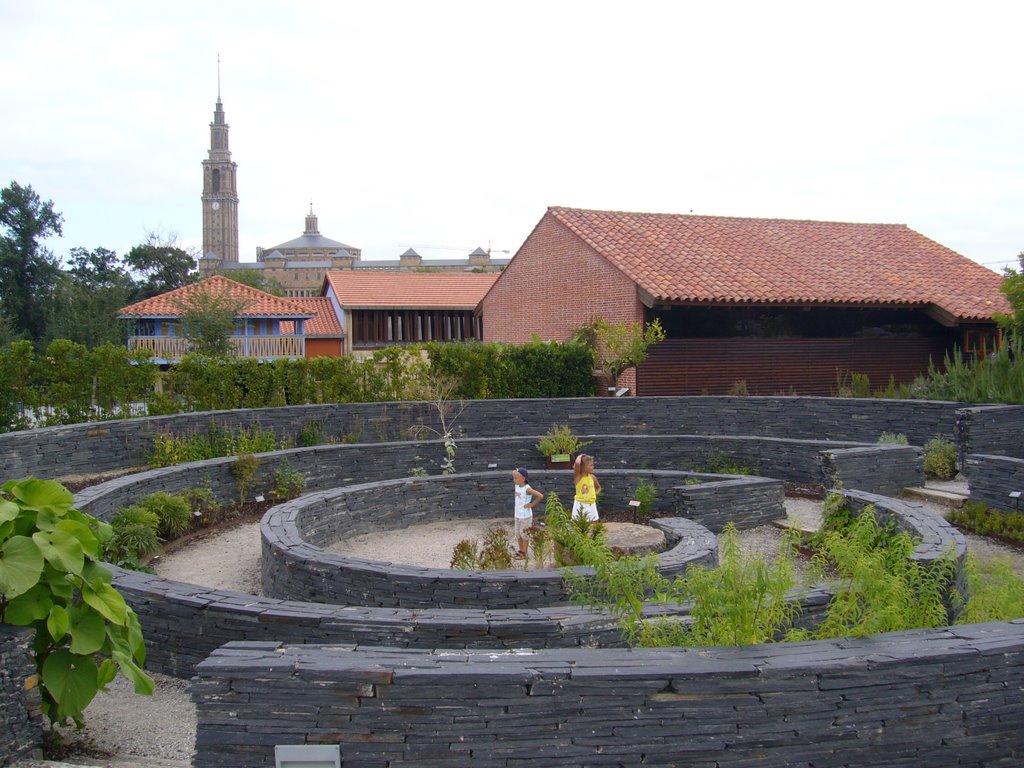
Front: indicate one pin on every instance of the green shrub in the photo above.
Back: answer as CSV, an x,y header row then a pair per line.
x,y
135,531
496,552
465,556
560,440
288,482
244,470
52,580
311,433
892,438
577,540
174,515
940,459
645,493
995,591
978,518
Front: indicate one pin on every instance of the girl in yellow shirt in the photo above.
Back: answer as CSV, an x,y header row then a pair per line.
x,y
587,487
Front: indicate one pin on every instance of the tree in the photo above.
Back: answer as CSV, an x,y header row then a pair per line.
x,y
91,292
162,264
254,278
28,271
1013,289
208,320
619,346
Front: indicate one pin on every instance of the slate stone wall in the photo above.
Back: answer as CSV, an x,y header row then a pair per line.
x,y
59,452
295,565
884,469
949,697
184,623
993,478
21,719
332,466
994,430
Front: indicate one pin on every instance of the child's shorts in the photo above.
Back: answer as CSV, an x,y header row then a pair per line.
x,y
522,523
589,510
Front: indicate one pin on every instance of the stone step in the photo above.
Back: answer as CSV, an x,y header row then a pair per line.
x,y
949,499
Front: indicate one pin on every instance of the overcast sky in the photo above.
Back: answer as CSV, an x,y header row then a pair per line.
x,y
456,125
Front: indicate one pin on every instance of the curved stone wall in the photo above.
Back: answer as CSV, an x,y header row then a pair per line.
x,y
59,452
295,565
946,697
994,478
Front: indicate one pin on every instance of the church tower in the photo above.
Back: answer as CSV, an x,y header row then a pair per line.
x,y
220,192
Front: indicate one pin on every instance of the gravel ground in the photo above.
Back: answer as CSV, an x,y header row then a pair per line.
x,y
125,728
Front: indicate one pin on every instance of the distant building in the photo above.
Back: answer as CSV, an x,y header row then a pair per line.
x,y
299,265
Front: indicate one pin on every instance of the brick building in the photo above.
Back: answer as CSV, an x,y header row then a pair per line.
x,y
776,306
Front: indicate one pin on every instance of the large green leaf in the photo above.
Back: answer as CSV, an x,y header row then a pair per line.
x,y
29,606
86,537
61,549
88,631
21,562
107,601
144,684
8,510
95,574
41,495
106,674
61,583
57,623
71,680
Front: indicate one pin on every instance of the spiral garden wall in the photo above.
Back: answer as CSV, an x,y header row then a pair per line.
x,y
944,697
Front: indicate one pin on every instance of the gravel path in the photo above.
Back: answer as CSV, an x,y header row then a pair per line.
x,y
128,727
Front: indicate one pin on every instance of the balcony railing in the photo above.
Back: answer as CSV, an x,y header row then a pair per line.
x,y
262,347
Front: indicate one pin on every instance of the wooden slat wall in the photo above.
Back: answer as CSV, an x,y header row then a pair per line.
x,y
781,366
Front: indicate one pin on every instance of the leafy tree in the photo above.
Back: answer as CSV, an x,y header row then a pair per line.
x,y
254,278
28,271
1013,289
162,264
52,580
208,320
94,288
619,346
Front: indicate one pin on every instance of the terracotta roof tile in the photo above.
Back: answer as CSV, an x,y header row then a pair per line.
x,y
677,257
415,290
257,303
324,322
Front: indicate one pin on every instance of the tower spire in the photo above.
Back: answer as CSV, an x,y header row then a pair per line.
x,y
218,78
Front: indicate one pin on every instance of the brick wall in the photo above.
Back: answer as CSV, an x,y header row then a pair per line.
x,y
925,697
538,293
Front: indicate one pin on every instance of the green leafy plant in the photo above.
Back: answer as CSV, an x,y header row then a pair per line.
x,y
940,459
540,545
560,440
646,493
496,552
244,470
892,438
217,441
52,580
311,433
722,464
135,535
995,591
619,346
879,587
173,513
576,540
980,519
465,556
288,482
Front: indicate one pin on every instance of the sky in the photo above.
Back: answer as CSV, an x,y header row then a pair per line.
x,y
444,126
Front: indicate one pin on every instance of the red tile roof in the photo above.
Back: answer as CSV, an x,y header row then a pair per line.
x,y
257,303
686,258
413,290
324,322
